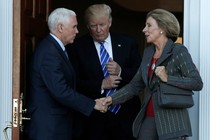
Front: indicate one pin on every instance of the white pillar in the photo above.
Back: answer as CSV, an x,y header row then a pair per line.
x,y
204,105
6,19
197,39
191,41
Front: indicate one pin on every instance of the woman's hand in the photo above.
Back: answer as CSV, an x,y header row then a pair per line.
x,y
161,72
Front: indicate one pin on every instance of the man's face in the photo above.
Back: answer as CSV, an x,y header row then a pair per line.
x,y
99,27
69,31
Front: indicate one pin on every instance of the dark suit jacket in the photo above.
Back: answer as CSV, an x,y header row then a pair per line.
x,y
85,60
181,72
53,98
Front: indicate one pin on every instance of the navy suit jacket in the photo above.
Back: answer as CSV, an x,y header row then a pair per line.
x,y
84,57
53,98
85,60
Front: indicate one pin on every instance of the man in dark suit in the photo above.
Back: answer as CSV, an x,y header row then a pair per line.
x,y
53,99
124,62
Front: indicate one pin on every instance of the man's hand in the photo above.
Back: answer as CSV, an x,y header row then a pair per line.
x,y
111,82
103,103
113,67
100,106
106,100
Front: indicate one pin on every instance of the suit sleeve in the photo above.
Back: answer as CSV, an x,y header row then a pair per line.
x,y
89,77
185,74
132,89
130,64
54,76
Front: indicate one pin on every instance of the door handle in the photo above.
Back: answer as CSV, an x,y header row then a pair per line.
x,y
22,111
5,130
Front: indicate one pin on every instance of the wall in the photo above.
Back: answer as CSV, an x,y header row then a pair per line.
x,y
5,65
196,38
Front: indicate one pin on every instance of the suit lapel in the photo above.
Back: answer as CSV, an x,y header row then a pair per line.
x,y
92,56
58,47
116,48
167,52
61,52
148,60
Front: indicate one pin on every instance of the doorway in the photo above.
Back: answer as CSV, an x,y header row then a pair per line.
x,y
29,25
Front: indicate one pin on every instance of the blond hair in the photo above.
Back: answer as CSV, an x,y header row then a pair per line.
x,y
97,10
167,22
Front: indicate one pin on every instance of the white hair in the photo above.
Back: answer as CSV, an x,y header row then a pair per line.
x,y
59,15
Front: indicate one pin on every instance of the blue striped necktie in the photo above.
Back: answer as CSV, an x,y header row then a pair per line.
x,y
104,58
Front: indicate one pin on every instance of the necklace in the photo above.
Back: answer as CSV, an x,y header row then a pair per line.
x,y
153,66
154,60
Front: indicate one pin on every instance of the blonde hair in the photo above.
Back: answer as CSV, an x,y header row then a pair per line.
x,y
97,10
167,22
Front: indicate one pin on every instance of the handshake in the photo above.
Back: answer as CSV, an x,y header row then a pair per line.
x,y
103,103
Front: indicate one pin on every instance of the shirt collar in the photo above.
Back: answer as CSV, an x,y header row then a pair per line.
x,y
59,41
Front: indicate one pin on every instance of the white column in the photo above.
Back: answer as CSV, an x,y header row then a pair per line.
x,y
6,15
191,41
204,105
197,39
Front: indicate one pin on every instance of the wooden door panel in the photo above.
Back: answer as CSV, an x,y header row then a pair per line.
x,y
30,26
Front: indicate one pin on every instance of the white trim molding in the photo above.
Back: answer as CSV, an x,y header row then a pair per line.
x,y
197,39
204,102
6,14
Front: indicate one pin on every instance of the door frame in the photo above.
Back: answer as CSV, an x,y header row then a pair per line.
x,y
23,24
16,69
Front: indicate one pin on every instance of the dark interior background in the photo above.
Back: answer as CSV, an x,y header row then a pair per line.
x,y
128,16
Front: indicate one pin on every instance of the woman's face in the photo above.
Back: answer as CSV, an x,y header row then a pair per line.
x,y
152,31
